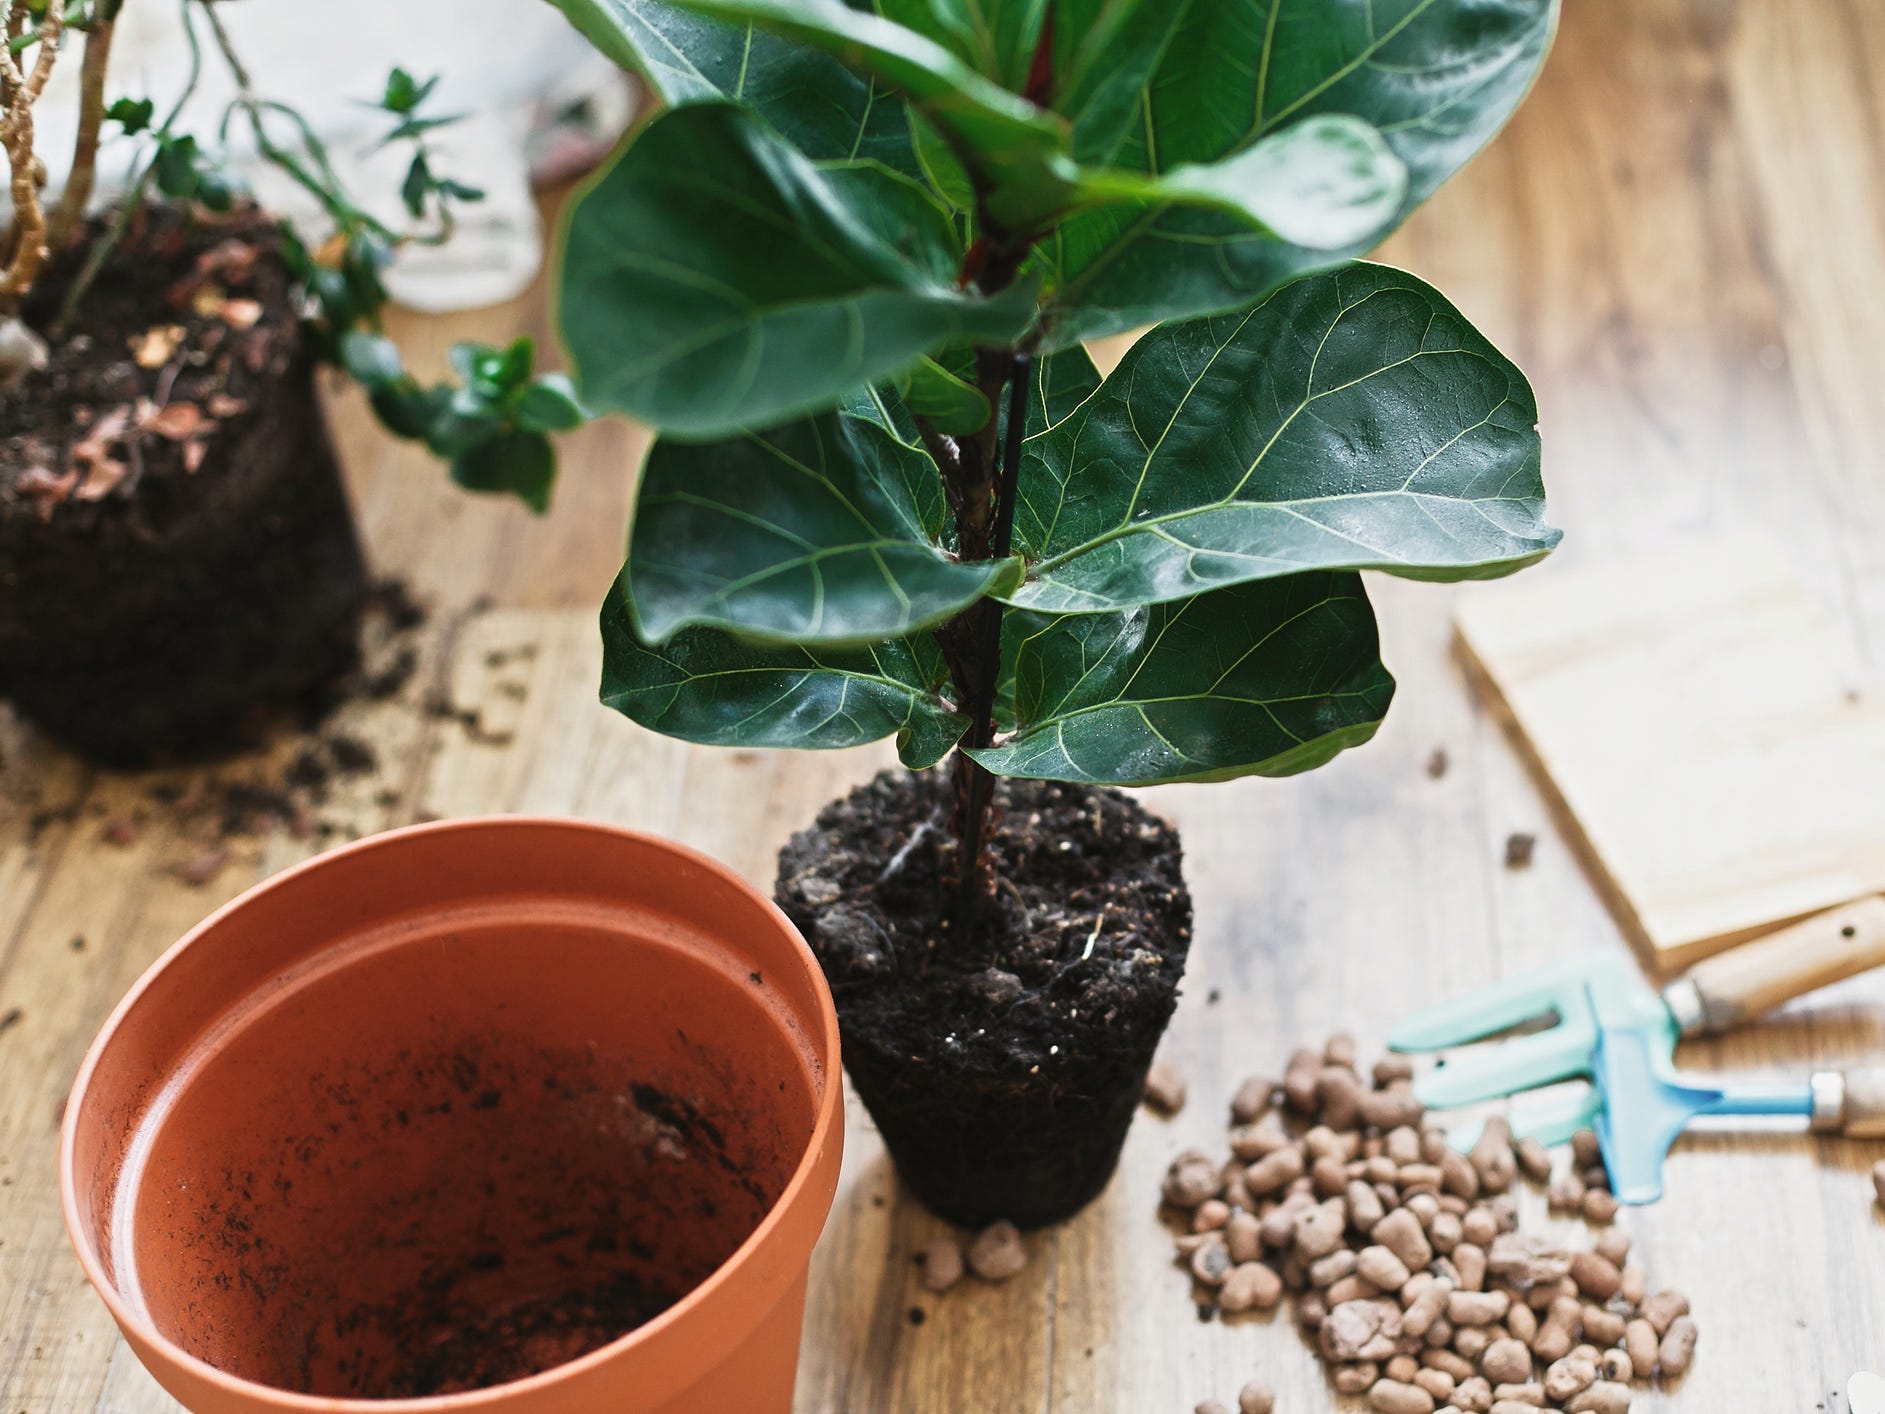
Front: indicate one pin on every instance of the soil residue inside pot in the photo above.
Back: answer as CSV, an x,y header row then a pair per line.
x,y
1003,1074
530,1337
175,544
463,1191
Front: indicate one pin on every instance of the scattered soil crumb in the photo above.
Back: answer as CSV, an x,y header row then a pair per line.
x,y
392,599
1437,763
389,680
204,868
1518,849
352,756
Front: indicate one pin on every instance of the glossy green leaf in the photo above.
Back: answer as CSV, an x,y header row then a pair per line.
x,y
1436,77
948,403
940,166
707,686
713,279
1354,420
547,403
370,359
1327,182
1269,679
996,38
521,464
822,531
1105,54
822,108
1062,381
1015,152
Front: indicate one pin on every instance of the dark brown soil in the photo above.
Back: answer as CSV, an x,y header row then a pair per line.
x,y
1003,1074
536,1335
176,550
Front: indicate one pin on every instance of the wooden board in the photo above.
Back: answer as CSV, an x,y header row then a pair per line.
x,y
1707,728
1679,240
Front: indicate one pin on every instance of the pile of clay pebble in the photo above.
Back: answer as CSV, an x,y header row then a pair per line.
x,y
1404,1257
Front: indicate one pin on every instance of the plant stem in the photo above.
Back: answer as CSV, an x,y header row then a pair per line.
x,y
18,92
102,248
975,786
73,17
78,185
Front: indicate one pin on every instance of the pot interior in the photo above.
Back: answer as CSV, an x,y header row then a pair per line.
x,y
457,1152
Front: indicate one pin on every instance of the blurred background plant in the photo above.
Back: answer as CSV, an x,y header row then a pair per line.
x,y
214,139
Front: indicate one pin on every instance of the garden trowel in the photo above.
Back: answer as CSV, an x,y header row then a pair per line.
x,y
1712,996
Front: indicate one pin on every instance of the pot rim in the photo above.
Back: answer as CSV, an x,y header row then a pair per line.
x,y
134,1325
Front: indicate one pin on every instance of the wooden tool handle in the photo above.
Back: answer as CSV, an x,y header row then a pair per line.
x,y
1758,976
1864,1116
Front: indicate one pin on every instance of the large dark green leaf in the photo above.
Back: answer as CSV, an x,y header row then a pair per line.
x,y
1267,679
1436,77
713,279
1105,54
1014,150
823,531
707,686
1354,420
1327,182
824,109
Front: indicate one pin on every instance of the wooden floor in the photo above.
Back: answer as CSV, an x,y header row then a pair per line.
x,y
1681,239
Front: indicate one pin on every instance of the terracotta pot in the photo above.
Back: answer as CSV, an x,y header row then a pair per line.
x,y
458,1103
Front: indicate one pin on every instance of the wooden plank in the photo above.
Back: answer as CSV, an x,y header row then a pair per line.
x,y
1702,721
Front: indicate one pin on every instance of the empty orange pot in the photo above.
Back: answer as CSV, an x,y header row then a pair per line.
x,y
509,1114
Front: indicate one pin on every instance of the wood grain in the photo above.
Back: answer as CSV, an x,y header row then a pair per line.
x,y
1681,239
1704,724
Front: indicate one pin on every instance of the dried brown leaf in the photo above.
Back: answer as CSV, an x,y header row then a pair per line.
x,y
179,421
156,346
95,446
101,479
232,260
241,313
47,488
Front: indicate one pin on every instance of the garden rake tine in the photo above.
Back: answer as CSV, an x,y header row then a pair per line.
x,y
1505,1067
1489,1010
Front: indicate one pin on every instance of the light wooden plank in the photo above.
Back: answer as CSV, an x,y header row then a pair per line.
x,y
1704,724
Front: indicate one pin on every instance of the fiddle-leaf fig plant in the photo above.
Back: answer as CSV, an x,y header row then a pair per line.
x,y
847,273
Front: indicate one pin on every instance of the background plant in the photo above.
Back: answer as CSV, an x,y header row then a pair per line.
x,y
490,423
847,274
